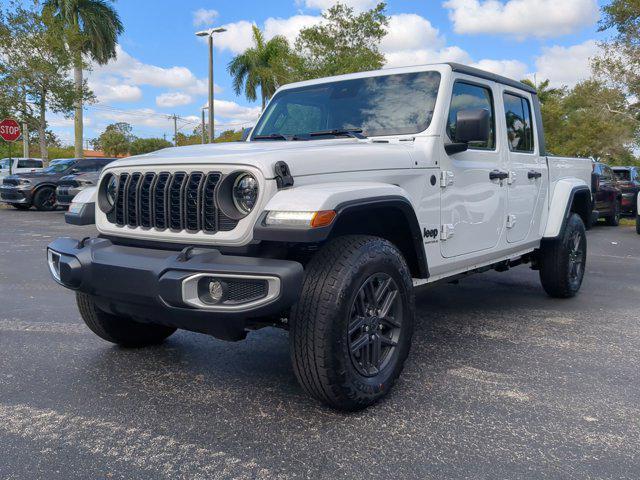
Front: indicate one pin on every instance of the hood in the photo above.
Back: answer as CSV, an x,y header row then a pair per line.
x,y
90,176
303,157
37,176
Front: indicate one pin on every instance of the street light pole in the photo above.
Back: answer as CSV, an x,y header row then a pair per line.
x,y
209,33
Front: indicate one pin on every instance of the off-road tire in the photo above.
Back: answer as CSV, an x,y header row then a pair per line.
x,y
120,330
319,340
638,224
41,199
21,206
614,220
555,258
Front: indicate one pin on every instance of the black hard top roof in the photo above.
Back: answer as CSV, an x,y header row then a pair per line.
x,y
476,72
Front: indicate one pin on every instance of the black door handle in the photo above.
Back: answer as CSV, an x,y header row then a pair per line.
x,y
533,174
498,175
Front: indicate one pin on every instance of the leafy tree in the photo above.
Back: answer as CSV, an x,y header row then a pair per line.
x,y
92,28
545,92
229,136
342,43
590,120
146,145
263,66
33,70
115,140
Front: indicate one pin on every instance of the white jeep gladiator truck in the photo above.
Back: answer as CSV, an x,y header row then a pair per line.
x,y
349,192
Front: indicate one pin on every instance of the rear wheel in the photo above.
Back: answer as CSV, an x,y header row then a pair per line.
x,y
613,220
351,329
21,206
563,260
45,199
118,329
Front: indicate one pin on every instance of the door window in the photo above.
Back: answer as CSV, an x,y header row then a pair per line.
x,y
519,123
467,96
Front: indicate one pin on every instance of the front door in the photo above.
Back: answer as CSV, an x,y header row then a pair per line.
x,y
527,171
473,199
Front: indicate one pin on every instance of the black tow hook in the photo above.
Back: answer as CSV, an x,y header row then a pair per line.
x,y
82,242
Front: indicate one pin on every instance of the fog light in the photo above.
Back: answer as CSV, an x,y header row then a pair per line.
x,y
212,290
53,259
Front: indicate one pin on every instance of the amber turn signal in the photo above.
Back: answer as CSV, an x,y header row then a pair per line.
x,y
322,218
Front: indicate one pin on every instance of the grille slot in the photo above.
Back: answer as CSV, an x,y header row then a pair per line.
x,y
243,291
178,201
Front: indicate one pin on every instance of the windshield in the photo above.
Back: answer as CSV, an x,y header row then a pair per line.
x,y
60,166
4,164
386,105
623,174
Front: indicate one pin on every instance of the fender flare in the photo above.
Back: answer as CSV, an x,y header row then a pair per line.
x,y
315,235
560,205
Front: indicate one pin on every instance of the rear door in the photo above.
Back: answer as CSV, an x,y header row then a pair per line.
x,y
527,171
473,205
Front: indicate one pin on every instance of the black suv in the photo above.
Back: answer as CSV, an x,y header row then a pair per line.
x,y
629,181
85,174
607,196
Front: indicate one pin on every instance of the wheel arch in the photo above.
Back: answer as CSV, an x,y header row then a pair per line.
x,y
570,196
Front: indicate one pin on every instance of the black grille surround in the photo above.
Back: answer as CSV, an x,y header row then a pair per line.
x,y
170,201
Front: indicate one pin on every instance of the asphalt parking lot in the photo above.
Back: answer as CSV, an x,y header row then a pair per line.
x,y
502,382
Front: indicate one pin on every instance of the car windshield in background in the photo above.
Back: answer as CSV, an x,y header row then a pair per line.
x,y
624,175
375,106
59,167
4,163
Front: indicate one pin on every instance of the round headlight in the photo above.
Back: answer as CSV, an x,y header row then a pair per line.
x,y
107,193
245,192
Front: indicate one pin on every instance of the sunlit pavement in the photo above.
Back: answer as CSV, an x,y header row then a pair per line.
x,y
502,382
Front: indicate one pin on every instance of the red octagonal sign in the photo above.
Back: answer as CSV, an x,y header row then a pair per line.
x,y
9,130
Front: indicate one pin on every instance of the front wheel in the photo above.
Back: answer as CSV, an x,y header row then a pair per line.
x,y
614,219
563,260
45,199
117,329
351,328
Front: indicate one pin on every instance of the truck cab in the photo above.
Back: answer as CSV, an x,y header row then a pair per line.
x,y
348,192
9,166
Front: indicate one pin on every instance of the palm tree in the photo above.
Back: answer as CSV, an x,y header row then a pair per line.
x,y
93,28
545,92
261,66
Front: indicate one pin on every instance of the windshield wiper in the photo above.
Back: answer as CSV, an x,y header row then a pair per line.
x,y
350,132
273,136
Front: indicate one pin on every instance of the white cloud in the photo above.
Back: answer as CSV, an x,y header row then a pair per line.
x,y
509,68
202,16
134,72
173,99
358,5
233,112
412,40
239,35
521,18
117,92
566,65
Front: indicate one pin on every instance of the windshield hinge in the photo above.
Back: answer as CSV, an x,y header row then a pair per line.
x,y
283,175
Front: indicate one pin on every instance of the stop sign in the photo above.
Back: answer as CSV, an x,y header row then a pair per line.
x,y
9,130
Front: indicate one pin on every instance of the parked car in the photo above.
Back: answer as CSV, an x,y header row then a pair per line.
x,y
607,195
9,166
85,174
38,189
629,182
396,178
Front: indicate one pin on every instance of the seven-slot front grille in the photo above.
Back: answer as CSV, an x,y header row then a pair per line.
x,y
176,201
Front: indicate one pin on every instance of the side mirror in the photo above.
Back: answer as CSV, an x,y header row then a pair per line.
x,y
472,125
75,170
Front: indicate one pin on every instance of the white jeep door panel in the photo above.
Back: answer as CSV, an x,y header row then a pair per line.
x,y
527,171
473,207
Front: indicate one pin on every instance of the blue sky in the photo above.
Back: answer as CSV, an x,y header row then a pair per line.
x,y
162,66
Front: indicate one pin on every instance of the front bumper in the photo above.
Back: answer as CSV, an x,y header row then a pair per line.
x,y
9,194
161,286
